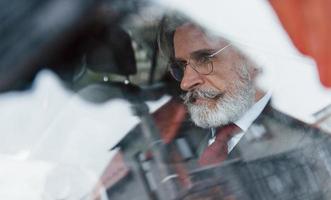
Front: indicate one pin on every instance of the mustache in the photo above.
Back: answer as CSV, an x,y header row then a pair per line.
x,y
192,95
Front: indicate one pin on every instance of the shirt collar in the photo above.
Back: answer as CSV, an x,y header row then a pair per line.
x,y
250,116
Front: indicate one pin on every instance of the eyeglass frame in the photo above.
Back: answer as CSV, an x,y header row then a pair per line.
x,y
194,68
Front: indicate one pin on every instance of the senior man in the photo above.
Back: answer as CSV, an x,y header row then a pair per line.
x,y
219,85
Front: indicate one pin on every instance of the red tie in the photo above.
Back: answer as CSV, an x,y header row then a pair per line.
x,y
218,151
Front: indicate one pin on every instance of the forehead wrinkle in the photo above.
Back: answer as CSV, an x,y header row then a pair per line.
x,y
189,38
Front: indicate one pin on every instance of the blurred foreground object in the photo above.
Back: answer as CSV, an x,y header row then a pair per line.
x,y
29,30
309,26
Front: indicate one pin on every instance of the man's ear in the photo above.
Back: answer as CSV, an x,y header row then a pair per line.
x,y
255,71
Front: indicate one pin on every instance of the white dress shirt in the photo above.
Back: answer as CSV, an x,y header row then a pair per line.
x,y
247,119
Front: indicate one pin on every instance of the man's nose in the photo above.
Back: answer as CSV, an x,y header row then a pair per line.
x,y
191,79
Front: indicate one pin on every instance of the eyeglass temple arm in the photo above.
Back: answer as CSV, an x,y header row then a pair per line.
x,y
220,50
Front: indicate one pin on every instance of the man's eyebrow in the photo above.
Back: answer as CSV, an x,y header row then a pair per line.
x,y
179,59
202,52
197,53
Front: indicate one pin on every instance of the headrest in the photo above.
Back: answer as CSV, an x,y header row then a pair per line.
x,y
110,51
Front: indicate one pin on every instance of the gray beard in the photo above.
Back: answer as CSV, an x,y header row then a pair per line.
x,y
229,107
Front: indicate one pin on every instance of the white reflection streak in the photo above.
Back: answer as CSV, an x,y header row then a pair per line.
x,y
61,130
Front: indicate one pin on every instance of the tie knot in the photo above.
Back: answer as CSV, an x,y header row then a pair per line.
x,y
227,131
217,151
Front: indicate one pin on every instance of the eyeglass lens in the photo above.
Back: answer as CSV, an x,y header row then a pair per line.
x,y
177,68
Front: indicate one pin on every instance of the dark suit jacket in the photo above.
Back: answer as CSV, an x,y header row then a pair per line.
x,y
272,133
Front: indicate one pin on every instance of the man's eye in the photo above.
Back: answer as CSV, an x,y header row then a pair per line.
x,y
203,59
180,64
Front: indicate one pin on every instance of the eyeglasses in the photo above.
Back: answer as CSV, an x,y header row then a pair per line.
x,y
200,61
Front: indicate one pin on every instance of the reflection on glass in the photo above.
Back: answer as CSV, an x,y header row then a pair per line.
x,y
115,124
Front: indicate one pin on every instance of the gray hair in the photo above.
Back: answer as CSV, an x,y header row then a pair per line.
x,y
172,21
166,32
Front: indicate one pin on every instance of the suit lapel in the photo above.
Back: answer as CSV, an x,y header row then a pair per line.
x,y
250,134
